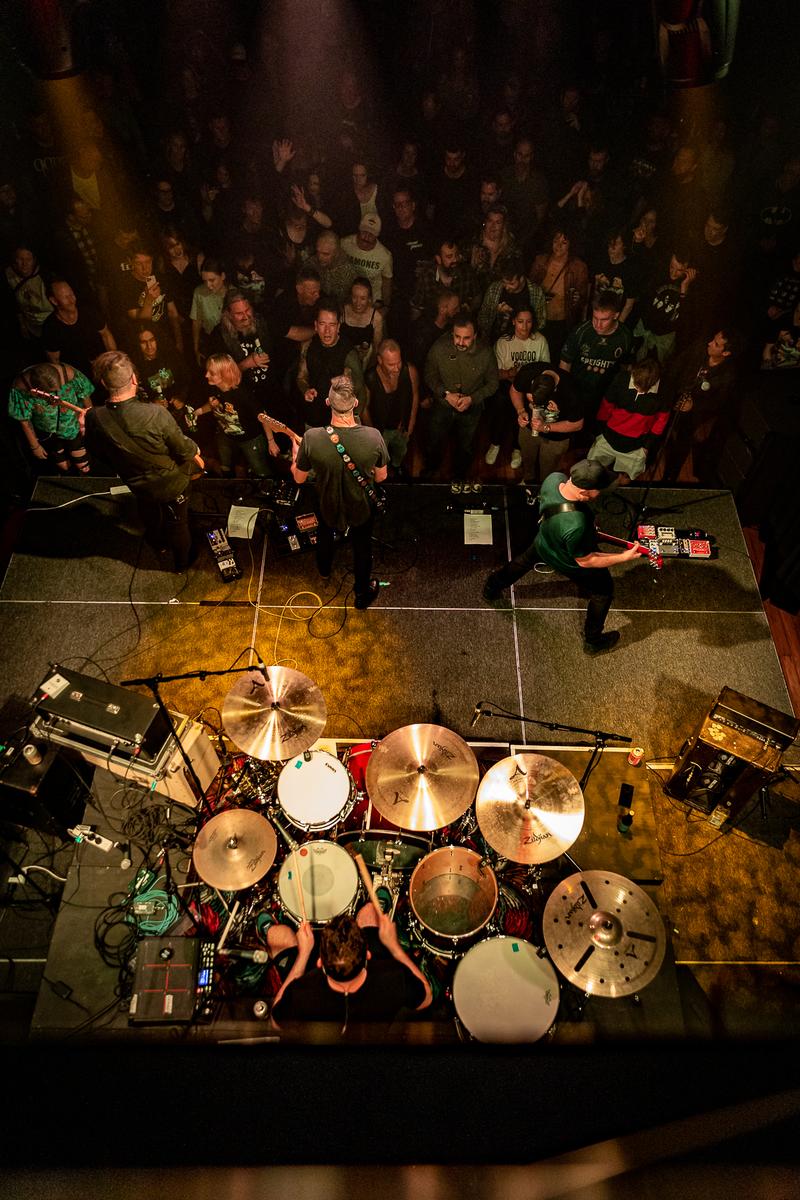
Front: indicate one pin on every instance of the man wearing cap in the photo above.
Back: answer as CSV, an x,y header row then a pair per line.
x,y
346,496
371,258
566,541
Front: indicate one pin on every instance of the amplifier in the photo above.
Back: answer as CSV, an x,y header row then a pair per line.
x,y
737,749
99,716
167,774
49,795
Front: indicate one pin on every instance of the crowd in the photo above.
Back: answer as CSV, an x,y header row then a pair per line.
x,y
506,277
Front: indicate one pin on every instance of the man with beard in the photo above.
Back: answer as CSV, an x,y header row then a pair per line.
x,y
249,343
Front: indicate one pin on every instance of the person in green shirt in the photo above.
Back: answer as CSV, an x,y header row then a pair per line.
x,y
566,541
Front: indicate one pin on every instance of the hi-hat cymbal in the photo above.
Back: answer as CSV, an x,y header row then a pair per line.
x,y
604,933
234,849
274,717
529,808
422,777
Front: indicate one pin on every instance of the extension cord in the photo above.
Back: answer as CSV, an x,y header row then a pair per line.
x,y
85,833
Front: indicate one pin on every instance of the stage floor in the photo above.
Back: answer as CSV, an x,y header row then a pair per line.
x,y
82,590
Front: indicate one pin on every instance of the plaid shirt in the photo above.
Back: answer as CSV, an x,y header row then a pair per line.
x,y
465,284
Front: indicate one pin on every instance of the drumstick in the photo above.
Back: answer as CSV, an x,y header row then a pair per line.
x,y
368,884
299,884
227,929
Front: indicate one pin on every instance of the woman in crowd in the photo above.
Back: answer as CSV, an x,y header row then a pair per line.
x,y
564,279
362,322
208,302
494,242
242,429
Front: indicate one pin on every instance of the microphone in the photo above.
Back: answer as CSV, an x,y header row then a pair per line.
x,y
477,713
258,956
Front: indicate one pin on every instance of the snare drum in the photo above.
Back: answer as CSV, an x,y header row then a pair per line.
x,y
315,790
504,992
328,880
453,893
381,848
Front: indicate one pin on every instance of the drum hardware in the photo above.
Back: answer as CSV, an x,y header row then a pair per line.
x,y
234,849
274,717
604,934
529,808
422,777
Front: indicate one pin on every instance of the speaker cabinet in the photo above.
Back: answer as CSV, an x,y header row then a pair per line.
x,y
49,796
737,749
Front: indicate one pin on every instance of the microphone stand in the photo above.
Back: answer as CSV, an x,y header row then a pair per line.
x,y
600,736
153,682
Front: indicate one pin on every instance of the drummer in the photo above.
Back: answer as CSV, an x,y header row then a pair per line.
x,y
361,972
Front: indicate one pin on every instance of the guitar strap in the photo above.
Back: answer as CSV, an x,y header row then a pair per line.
x,y
553,510
377,499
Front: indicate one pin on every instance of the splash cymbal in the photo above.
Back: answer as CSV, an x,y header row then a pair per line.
x,y
529,808
604,934
422,777
274,717
234,849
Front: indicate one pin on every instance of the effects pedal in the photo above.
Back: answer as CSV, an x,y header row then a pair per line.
x,y
224,556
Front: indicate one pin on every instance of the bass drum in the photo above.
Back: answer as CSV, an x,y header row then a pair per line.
x,y
315,791
452,893
503,991
328,882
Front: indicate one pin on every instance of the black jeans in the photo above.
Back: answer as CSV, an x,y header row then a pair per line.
x,y
361,541
166,526
594,583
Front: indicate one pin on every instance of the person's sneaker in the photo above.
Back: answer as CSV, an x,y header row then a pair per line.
x,y
606,641
362,602
492,590
516,460
491,455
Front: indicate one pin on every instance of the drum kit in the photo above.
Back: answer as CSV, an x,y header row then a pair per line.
x,y
381,813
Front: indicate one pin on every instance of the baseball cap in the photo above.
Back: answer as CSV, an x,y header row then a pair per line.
x,y
370,223
590,475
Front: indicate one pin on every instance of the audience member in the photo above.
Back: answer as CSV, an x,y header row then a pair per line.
x,y
72,334
371,258
632,417
461,374
362,321
393,401
327,356
50,401
522,346
564,279
506,296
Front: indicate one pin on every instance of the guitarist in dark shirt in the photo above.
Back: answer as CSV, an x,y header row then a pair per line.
x,y
149,452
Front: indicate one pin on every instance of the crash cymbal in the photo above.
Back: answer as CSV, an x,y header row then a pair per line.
x,y
603,933
234,849
274,717
422,777
529,808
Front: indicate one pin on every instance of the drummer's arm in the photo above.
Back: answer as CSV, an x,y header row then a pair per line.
x,y
387,932
305,946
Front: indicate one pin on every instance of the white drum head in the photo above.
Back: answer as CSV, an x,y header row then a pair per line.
x,y
504,992
313,791
328,879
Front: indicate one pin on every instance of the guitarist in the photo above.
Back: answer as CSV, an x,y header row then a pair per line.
x,y
348,459
149,452
566,541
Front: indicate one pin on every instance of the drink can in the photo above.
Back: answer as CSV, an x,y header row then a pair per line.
x,y
636,755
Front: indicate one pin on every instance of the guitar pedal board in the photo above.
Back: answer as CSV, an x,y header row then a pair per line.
x,y
670,542
223,554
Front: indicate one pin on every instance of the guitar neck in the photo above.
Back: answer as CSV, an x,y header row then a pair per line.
x,y
652,554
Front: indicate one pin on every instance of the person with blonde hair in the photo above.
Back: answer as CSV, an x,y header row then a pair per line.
x,y
243,429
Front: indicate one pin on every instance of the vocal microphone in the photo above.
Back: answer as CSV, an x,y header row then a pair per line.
x,y
476,714
257,956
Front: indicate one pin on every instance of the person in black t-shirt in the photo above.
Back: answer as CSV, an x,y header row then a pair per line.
x,y
360,974
548,409
161,373
241,425
71,334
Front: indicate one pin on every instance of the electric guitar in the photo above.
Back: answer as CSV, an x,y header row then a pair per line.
x,y
52,398
278,427
648,551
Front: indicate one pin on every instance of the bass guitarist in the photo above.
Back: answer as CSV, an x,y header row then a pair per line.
x,y
567,542
348,460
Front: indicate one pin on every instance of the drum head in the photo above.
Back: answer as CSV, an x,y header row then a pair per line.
x,y
504,992
328,879
453,892
381,847
313,791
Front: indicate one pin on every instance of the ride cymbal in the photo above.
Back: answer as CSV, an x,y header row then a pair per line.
x,y
603,933
422,777
234,849
274,717
529,808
